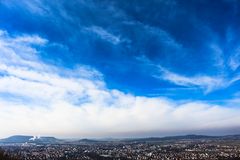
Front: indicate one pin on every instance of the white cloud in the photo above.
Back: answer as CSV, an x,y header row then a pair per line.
x,y
105,35
207,83
2,33
165,38
218,56
76,103
30,40
34,6
234,60
204,82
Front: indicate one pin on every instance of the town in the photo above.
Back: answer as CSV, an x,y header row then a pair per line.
x,y
211,149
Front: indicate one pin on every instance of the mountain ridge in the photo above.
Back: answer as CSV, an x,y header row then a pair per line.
x,y
29,139
53,140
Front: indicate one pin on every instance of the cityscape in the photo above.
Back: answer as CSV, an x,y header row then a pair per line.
x,y
167,148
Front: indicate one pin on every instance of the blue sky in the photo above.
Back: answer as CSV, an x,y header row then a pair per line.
x,y
119,68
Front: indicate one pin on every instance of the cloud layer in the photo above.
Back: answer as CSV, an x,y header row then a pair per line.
x,y
39,98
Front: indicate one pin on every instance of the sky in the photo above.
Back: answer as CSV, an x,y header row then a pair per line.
x,y
119,68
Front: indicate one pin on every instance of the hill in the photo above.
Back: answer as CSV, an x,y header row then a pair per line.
x,y
30,139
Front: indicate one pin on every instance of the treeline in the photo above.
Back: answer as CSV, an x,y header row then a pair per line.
x,y
5,156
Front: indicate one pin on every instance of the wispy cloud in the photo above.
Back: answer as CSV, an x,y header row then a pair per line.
x,y
34,6
234,60
59,99
207,83
30,40
225,58
166,38
218,56
204,82
105,35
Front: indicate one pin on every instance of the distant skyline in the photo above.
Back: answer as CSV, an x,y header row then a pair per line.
x,y
119,68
